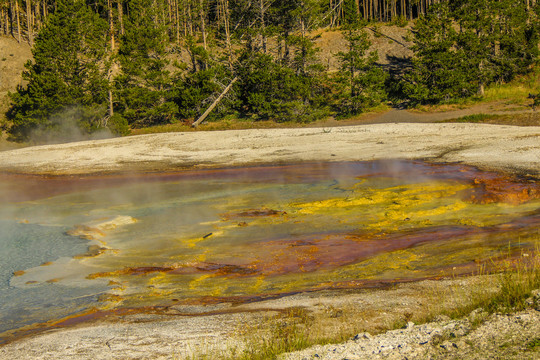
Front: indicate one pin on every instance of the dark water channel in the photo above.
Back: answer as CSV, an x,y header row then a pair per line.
x,y
69,244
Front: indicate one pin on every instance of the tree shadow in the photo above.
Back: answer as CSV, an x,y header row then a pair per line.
x,y
397,67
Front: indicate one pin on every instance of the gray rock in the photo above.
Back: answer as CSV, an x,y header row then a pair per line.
x,y
448,346
362,336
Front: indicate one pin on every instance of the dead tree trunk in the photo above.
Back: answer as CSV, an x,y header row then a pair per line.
x,y
215,103
203,28
226,23
29,24
263,26
111,24
177,21
203,22
18,19
112,51
120,6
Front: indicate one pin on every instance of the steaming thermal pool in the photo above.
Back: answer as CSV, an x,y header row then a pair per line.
x,y
70,245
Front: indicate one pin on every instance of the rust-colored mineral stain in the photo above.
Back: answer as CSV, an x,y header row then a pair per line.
x,y
226,269
315,252
24,187
494,189
87,316
93,251
142,270
327,251
252,213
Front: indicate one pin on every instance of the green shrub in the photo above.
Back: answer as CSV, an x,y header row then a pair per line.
x,y
118,125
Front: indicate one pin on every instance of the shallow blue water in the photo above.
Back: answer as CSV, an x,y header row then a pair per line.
x,y
24,246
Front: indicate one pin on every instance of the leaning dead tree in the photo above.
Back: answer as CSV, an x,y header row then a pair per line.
x,y
215,103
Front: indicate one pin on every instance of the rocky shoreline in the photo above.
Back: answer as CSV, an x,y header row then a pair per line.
x,y
501,336
478,336
220,331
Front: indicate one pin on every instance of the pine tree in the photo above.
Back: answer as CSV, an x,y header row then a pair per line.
x,y
440,71
464,45
143,86
361,80
268,89
195,91
66,77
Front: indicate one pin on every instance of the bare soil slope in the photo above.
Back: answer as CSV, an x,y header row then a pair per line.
x,y
13,56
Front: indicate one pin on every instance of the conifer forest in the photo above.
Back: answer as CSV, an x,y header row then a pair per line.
x,y
125,64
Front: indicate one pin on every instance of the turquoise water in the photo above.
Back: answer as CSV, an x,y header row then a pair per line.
x,y
26,246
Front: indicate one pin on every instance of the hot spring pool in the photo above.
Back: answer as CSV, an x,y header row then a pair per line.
x,y
72,245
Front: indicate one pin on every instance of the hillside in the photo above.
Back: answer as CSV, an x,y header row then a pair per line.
x,y
13,56
390,42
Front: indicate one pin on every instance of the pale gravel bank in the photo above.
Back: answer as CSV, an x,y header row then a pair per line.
x,y
506,148
499,336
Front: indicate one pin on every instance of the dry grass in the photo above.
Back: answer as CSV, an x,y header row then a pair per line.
x,y
524,119
442,107
234,123
514,93
218,125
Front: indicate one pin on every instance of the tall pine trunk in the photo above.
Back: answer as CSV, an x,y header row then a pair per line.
x,y
226,20
263,25
177,21
203,23
29,23
5,20
111,57
111,24
202,15
18,19
120,7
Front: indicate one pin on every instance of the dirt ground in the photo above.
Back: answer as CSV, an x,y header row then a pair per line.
x,y
13,56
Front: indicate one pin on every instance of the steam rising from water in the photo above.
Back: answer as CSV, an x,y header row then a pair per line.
x,y
72,244
67,126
